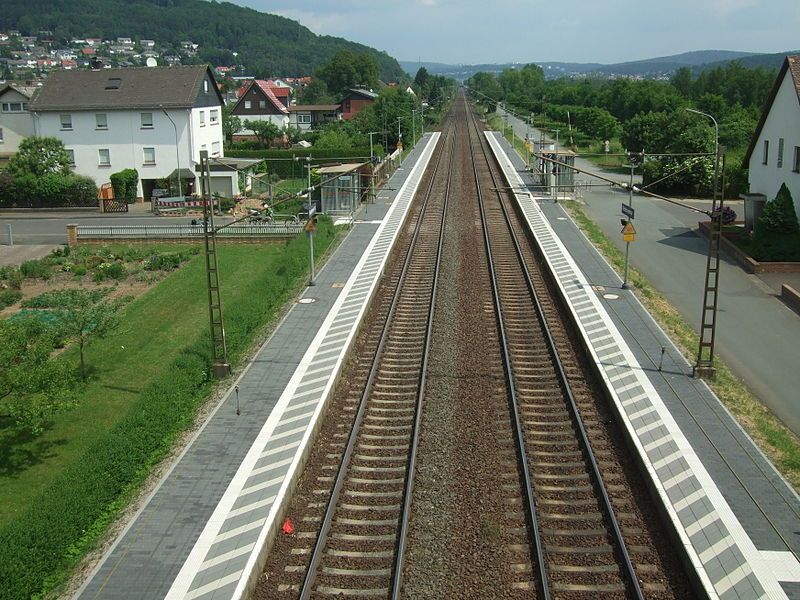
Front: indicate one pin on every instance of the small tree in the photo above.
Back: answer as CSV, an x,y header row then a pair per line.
x,y
85,319
40,156
779,215
265,131
231,124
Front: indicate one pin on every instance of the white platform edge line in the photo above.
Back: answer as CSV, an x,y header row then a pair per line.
x,y
752,555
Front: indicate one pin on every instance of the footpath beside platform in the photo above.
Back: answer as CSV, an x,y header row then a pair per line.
x,y
735,516
200,532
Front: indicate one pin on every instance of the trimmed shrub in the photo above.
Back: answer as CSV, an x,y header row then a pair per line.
x,y
49,190
289,169
779,216
124,184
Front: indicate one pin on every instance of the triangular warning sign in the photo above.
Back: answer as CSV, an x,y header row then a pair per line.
x,y
628,229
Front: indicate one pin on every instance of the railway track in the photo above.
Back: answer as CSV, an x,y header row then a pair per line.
x,y
519,503
578,545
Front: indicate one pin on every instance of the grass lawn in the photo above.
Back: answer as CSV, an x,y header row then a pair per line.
x,y
150,375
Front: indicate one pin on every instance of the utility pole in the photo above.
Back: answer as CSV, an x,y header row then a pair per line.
x,y
312,209
414,126
372,162
628,244
219,351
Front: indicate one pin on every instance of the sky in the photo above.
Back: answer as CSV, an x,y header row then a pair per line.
x,y
501,31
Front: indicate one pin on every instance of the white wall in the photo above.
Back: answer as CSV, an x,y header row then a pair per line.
x,y
281,121
15,126
783,121
125,138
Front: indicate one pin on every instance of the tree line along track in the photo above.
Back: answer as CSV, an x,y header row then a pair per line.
x,y
469,536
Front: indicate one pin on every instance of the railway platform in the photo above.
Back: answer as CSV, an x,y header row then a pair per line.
x,y
200,532
736,518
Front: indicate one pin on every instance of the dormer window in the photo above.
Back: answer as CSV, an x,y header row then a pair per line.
x,y
113,83
205,85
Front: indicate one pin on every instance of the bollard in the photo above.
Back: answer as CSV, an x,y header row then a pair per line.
x,y
10,235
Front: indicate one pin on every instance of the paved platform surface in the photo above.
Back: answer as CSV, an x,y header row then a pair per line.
x,y
762,350
738,520
197,535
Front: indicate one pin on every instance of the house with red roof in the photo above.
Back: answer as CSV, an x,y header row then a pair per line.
x,y
258,101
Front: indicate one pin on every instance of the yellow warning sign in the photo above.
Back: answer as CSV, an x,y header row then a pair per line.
x,y
628,233
311,226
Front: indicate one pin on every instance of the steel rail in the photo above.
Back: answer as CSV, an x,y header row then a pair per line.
x,y
319,545
630,572
530,501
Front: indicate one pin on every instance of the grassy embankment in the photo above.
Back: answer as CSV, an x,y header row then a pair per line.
x,y
775,439
60,491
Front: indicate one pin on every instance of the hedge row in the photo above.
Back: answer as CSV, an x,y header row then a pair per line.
x,y
51,190
280,161
39,548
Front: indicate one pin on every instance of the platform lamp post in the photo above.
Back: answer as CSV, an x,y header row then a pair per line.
x,y
399,132
708,325
312,209
372,162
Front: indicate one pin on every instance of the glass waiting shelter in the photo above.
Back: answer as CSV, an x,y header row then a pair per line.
x,y
340,195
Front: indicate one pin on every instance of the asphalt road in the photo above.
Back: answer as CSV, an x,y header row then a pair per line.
x,y
51,227
757,334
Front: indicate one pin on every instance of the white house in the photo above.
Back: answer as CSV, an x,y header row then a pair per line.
x,y
773,157
155,120
259,102
15,120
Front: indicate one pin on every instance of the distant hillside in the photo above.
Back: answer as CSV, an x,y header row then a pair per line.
x,y
267,45
651,67
768,61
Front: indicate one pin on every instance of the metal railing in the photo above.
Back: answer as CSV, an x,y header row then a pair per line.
x,y
186,231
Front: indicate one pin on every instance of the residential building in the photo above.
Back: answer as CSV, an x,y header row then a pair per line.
x,y
258,102
155,120
312,116
15,120
354,100
773,157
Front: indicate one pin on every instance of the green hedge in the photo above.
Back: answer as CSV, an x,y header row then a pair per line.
x,y
124,184
41,546
280,161
50,190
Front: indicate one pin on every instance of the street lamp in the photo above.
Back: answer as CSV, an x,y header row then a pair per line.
x,y
177,148
716,153
311,211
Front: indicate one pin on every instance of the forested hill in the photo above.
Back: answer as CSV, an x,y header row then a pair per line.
x,y
267,45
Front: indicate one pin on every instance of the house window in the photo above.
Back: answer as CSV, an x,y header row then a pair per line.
x,y
101,120
66,122
104,157
14,107
304,118
213,116
796,168
147,120
262,104
203,148
202,118
214,148
71,155
247,103
149,156
780,153
765,157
